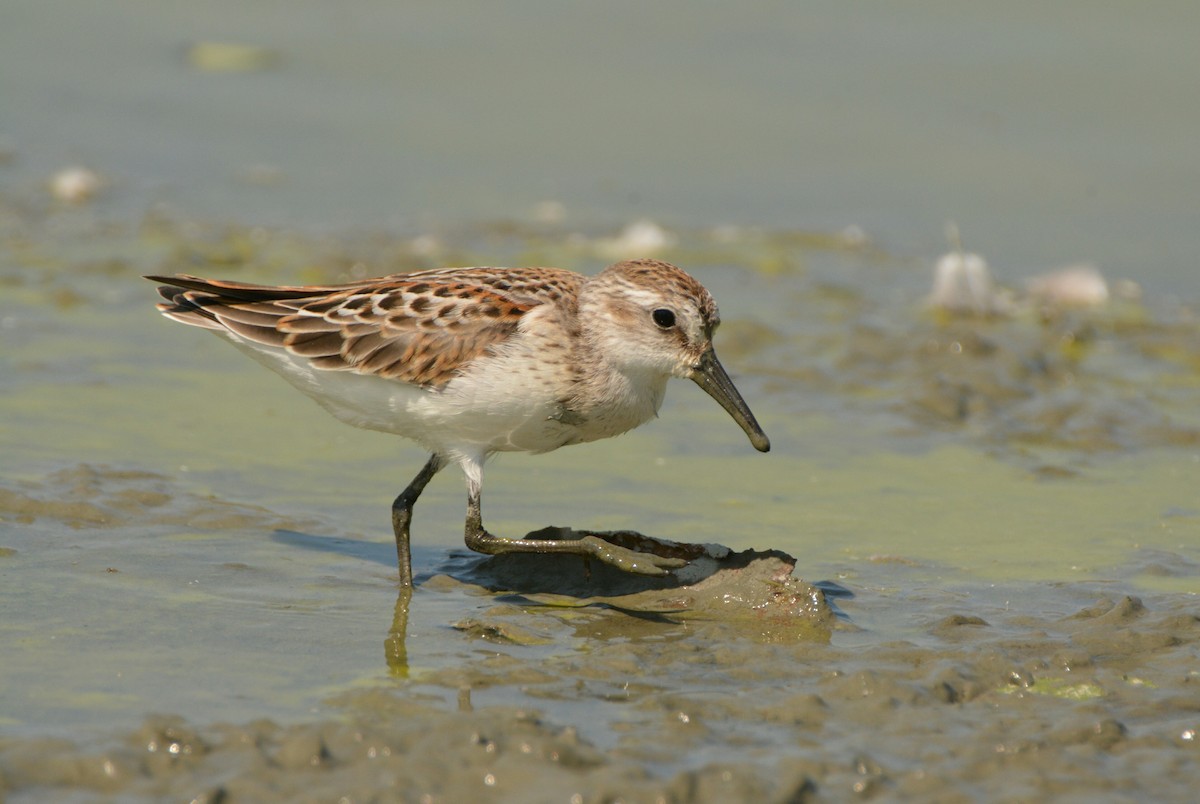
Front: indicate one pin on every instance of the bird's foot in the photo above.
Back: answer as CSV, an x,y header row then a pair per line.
x,y
626,550
635,561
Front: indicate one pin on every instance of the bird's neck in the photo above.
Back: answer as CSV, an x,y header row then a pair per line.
x,y
615,394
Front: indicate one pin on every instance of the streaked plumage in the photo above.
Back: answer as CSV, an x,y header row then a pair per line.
x,y
472,361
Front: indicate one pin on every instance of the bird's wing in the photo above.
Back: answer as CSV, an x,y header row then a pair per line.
x,y
419,328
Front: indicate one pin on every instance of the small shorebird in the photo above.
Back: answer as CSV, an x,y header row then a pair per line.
x,y
472,361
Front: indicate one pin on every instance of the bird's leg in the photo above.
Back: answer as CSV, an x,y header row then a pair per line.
x,y
590,546
402,515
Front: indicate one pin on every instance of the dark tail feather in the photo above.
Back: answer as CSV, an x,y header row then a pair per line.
x,y
234,291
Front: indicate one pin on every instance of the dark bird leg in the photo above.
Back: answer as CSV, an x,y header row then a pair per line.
x,y
402,515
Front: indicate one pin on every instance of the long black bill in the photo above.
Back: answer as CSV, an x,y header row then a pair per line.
x,y
711,376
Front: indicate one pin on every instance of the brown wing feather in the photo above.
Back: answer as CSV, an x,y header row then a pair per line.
x,y
418,328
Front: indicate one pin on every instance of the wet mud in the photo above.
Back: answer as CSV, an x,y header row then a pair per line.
x,y
554,681
971,572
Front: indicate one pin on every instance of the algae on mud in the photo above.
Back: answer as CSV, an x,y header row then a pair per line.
x,y
1023,611
986,699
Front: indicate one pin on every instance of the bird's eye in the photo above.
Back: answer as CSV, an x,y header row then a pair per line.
x,y
663,317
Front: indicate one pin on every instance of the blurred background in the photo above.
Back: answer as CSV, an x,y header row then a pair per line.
x,y
1050,134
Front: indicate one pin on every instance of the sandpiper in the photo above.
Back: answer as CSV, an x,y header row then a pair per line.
x,y
472,361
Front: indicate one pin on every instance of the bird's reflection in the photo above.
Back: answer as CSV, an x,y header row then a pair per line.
x,y
395,646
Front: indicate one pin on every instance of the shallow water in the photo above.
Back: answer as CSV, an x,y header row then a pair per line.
x,y
1049,135
196,568
183,535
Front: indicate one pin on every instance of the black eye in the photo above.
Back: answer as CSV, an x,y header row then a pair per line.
x,y
663,317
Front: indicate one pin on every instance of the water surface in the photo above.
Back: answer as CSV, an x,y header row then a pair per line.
x,y
1003,510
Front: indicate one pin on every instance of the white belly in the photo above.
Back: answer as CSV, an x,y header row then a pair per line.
x,y
505,402
486,411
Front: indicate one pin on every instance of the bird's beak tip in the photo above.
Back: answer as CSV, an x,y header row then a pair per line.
x,y
710,376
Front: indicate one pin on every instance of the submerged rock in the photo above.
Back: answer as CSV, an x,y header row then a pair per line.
x,y
753,591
